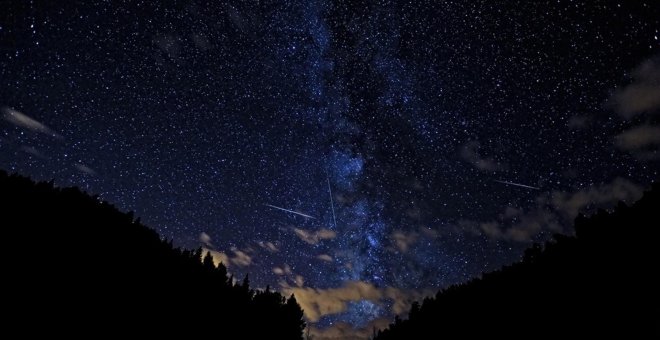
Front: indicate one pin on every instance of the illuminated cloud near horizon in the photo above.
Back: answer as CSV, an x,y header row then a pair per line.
x,y
318,303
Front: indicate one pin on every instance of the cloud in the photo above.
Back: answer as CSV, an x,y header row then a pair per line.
x,y
325,257
529,225
429,233
344,330
22,120
570,204
492,229
33,151
300,281
638,137
314,237
642,95
470,153
642,141
317,303
218,257
403,299
466,226
320,302
269,246
240,258
553,211
415,212
85,169
285,270
205,239
404,241
637,98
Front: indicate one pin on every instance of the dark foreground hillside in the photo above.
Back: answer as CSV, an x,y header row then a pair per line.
x,y
602,283
73,265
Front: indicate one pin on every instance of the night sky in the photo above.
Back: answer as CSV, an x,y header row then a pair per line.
x,y
415,144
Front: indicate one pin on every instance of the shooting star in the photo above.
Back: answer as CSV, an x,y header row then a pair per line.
x,y
332,202
518,185
290,211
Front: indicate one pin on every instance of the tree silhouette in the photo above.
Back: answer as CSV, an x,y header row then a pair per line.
x,y
600,283
72,263
293,315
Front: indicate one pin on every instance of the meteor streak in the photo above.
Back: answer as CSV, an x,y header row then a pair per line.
x,y
290,211
332,202
518,185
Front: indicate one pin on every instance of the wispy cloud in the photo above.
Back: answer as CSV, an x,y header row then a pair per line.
x,y
643,94
22,120
284,270
571,203
314,237
239,257
320,302
218,257
403,241
642,141
325,257
270,246
205,239
300,281
317,303
640,98
33,151
554,211
529,225
344,330
85,169
471,154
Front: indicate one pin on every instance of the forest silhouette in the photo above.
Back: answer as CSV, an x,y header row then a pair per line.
x,y
73,263
600,283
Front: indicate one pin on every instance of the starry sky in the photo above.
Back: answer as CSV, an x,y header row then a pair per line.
x,y
360,154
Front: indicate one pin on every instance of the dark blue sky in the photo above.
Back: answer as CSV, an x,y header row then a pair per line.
x,y
413,120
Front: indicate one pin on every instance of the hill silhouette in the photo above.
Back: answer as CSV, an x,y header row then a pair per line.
x,y
602,282
73,265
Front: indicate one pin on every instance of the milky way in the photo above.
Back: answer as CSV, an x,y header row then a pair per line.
x,y
396,125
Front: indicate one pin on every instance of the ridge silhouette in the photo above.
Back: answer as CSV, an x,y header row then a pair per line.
x,y
601,283
73,265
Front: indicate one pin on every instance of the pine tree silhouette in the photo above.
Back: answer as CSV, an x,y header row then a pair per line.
x,y
72,264
600,283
